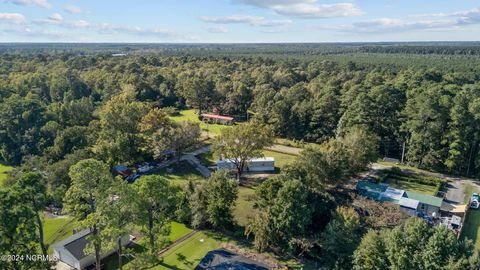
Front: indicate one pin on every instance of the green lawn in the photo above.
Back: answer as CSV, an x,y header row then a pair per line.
x,y
182,172
471,229
57,229
190,115
189,253
3,173
281,159
178,230
244,205
411,186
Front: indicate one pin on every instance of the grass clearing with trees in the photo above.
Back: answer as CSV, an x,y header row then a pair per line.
x,y
191,115
180,174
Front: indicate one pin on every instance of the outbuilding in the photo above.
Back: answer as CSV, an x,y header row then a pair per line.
x,y
217,119
266,164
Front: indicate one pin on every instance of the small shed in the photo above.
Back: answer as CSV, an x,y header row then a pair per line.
x,y
71,251
217,119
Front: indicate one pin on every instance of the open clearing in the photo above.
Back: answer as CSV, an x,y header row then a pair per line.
x,y
181,173
281,159
190,115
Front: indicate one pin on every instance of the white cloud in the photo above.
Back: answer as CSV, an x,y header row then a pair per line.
x,y
419,22
38,3
56,17
12,18
72,9
306,8
245,19
217,30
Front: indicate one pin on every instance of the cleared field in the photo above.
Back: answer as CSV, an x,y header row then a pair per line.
x,y
3,173
190,115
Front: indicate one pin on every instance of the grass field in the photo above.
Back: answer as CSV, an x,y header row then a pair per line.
x,y
57,229
182,172
189,253
471,229
3,173
244,205
281,159
190,115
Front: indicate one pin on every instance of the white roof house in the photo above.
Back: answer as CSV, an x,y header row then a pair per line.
x,y
71,250
253,165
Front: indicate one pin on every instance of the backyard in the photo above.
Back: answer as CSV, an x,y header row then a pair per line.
x,y
3,173
57,228
410,181
180,173
191,115
471,229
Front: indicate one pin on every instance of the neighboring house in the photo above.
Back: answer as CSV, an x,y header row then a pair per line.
x,y
412,203
222,259
122,170
217,119
71,250
265,164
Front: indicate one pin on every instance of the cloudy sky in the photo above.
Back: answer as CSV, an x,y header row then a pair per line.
x,y
232,21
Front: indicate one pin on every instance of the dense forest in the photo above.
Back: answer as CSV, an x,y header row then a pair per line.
x,y
51,103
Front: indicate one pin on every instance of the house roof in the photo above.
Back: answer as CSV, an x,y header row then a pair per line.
x,y
74,244
216,116
371,190
409,203
425,199
392,194
221,259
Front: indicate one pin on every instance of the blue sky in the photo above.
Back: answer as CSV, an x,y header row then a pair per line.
x,y
235,21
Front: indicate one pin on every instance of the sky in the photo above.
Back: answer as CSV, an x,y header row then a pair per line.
x,y
238,21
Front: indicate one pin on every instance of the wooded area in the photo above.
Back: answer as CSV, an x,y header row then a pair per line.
x,y
68,113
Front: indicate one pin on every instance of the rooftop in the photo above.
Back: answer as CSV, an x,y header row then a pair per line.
x,y
425,199
74,244
217,116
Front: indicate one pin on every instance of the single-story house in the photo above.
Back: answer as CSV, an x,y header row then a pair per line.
x,y
222,259
266,164
71,251
217,119
412,203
